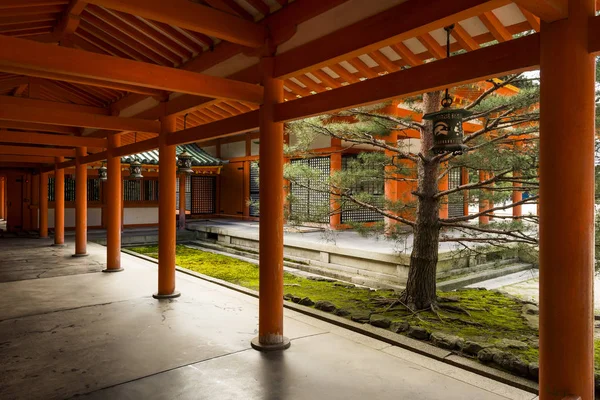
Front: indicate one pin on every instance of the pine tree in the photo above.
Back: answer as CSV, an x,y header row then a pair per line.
x,y
505,146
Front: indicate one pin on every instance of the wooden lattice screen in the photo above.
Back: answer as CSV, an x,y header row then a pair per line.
x,y
203,195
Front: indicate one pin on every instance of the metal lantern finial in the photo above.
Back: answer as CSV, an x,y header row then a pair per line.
x,y
447,123
184,159
103,173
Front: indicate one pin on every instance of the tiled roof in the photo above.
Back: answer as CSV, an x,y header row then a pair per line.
x,y
200,158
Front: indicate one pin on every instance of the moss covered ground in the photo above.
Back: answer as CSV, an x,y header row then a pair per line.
x,y
490,316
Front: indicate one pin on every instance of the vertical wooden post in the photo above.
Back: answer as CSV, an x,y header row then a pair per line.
x,y
167,231
464,180
392,187
43,205
443,185
59,203
566,210
335,165
2,216
483,204
517,195
114,200
182,179
270,315
80,204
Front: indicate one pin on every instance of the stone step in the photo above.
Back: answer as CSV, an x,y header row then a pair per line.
x,y
477,268
482,276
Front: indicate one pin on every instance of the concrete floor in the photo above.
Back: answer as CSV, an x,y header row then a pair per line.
x,y
66,330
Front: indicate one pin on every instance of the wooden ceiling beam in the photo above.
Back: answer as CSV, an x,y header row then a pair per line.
x,y
35,151
510,57
13,112
43,60
50,140
546,10
495,26
195,17
51,105
11,83
222,128
388,27
26,159
29,126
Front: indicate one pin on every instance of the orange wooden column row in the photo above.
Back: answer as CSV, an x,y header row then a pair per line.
x,y
335,220
443,185
80,204
113,207
167,230
270,315
566,209
59,204
517,195
44,205
483,204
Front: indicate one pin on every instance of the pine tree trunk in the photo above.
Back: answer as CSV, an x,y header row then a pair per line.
x,y
420,290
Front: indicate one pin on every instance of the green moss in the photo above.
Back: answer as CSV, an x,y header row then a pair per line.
x,y
491,315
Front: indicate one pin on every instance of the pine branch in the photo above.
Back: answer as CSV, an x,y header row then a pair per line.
x,y
491,90
470,186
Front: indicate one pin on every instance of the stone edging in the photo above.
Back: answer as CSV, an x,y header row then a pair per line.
x,y
383,335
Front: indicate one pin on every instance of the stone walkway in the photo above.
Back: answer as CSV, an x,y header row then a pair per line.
x,y
66,329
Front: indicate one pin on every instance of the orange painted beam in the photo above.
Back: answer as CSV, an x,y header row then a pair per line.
x,y
28,126
52,105
26,159
50,140
517,55
195,17
35,151
386,28
496,27
44,60
138,147
14,112
546,10
223,128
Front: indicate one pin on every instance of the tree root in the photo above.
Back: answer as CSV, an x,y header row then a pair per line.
x,y
455,309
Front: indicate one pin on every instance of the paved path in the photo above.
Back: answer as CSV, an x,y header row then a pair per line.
x,y
66,329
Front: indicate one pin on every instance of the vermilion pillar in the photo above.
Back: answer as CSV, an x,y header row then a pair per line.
x,y
59,204
182,179
270,315
2,216
443,185
464,180
43,205
517,196
167,232
335,164
114,199
566,208
483,204
80,204
391,186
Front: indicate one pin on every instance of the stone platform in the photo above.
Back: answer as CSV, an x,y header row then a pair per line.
x,y
67,330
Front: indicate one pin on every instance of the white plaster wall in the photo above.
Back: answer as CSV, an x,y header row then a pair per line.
x,y
140,216
254,147
94,217
212,150
233,150
319,141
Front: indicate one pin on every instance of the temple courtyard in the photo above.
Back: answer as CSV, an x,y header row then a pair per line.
x,y
69,330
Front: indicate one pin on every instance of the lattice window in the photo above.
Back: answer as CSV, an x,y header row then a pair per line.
x,y
188,193
132,190
254,189
354,213
93,189
455,200
69,188
51,196
312,196
203,194
151,189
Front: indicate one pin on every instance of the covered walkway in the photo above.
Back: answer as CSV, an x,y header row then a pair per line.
x,y
67,329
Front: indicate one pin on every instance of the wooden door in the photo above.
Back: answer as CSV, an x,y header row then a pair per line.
x,y
232,189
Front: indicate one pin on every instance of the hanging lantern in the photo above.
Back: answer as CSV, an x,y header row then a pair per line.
x,y
135,169
184,163
103,173
448,122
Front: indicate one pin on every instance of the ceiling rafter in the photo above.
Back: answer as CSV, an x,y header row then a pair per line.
x,y
72,64
195,17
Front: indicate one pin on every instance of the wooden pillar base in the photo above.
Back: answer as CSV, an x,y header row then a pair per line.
x,y
113,270
80,255
173,295
257,345
58,245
